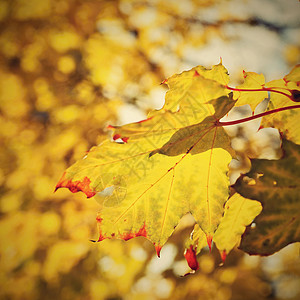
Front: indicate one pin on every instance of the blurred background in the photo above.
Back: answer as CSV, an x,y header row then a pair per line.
x,y
71,67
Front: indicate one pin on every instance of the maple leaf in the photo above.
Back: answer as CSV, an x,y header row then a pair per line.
x,y
153,172
275,183
238,213
288,90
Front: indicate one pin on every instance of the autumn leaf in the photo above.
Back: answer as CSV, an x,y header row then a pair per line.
x,y
238,213
275,183
153,172
288,90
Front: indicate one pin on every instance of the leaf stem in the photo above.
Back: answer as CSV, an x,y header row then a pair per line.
x,y
269,112
263,89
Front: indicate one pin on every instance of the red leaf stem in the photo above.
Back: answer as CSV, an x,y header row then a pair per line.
x,y
263,89
269,112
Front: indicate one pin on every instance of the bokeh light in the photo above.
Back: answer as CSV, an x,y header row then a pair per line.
x,y
71,67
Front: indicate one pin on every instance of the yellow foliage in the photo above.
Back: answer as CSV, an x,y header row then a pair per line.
x,y
62,257
12,91
50,223
66,64
64,40
31,9
3,10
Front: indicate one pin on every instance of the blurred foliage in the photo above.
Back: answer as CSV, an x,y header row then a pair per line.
x,y
67,68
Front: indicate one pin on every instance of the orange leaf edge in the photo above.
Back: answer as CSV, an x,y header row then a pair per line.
x,y
125,236
76,186
209,239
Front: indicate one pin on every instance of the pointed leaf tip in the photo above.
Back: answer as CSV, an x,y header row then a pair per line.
x,y
76,186
209,239
158,249
196,74
191,258
223,255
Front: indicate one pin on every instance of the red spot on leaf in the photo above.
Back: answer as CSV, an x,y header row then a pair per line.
x,y
165,81
110,127
101,237
99,219
260,127
209,241
196,74
127,236
142,231
223,255
158,249
191,258
130,235
244,74
76,186
125,139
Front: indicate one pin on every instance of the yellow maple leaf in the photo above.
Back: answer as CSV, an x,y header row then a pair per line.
x,y
153,172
